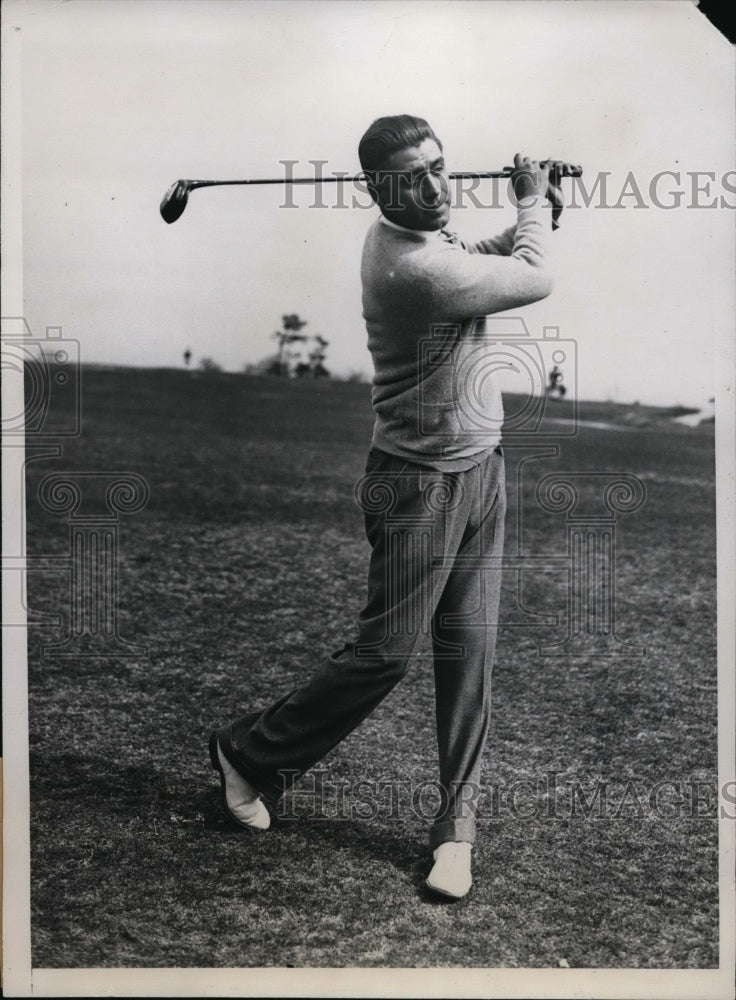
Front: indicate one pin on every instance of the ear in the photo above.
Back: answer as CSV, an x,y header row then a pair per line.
x,y
369,176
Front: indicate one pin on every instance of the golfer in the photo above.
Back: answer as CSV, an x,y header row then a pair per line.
x,y
433,495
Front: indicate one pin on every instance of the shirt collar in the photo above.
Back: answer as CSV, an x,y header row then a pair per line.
x,y
429,233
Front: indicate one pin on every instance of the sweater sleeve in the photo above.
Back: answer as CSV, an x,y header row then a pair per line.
x,y
502,244
458,285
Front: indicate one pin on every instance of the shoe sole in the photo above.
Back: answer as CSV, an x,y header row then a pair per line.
x,y
449,896
215,758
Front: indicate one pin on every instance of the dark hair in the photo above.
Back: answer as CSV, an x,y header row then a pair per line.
x,y
389,134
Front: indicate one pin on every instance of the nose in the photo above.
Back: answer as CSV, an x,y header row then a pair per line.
x,y
432,189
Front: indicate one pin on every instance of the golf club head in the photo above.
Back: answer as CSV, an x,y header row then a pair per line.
x,y
174,201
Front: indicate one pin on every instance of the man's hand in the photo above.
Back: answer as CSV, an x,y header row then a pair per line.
x,y
557,170
530,178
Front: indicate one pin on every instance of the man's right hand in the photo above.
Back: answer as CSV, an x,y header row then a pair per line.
x,y
530,178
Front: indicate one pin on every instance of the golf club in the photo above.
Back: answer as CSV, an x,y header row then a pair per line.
x,y
175,200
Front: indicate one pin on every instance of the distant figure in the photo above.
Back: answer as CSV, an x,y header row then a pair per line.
x,y
555,383
187,357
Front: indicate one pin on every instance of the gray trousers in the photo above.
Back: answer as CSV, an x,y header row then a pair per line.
x,y
435,576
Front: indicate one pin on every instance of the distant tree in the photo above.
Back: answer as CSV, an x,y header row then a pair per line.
x,y
288,335
315,365
291,359
187,357
209,365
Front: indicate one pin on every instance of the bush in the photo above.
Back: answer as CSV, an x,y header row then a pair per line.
x,y
209,365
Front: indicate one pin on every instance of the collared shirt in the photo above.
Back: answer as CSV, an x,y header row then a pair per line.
x,y
443,234
404,229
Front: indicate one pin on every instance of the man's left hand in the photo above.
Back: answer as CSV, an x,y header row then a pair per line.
x,y
557,170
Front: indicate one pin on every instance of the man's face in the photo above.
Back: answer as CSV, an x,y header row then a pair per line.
x,y
413,188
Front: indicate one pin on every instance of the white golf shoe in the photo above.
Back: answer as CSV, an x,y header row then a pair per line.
x,y
450,875
240,800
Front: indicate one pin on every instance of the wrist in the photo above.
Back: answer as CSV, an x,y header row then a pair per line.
x,y
533,201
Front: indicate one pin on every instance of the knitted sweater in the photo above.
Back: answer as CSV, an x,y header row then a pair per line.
x,y
425,298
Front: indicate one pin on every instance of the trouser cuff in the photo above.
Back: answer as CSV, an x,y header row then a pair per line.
x,y
452,830
267,789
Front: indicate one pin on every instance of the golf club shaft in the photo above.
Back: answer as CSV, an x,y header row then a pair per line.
x,y
318,179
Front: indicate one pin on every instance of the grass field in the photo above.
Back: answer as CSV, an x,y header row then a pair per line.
x,y
247,564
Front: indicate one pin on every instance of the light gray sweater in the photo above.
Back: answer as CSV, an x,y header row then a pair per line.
x,y
425,298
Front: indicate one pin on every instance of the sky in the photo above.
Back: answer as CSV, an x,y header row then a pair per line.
x,y
121,97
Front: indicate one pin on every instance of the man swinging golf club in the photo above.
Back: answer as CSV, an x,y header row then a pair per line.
x,y
433,496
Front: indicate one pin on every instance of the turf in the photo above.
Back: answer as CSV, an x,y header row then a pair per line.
x,y
247,564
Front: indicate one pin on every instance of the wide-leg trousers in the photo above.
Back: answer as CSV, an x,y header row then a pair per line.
x,y
433,592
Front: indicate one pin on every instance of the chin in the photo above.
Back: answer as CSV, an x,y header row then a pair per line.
x,y
437,221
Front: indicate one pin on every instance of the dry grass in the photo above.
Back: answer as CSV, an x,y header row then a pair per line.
x,y
248,564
